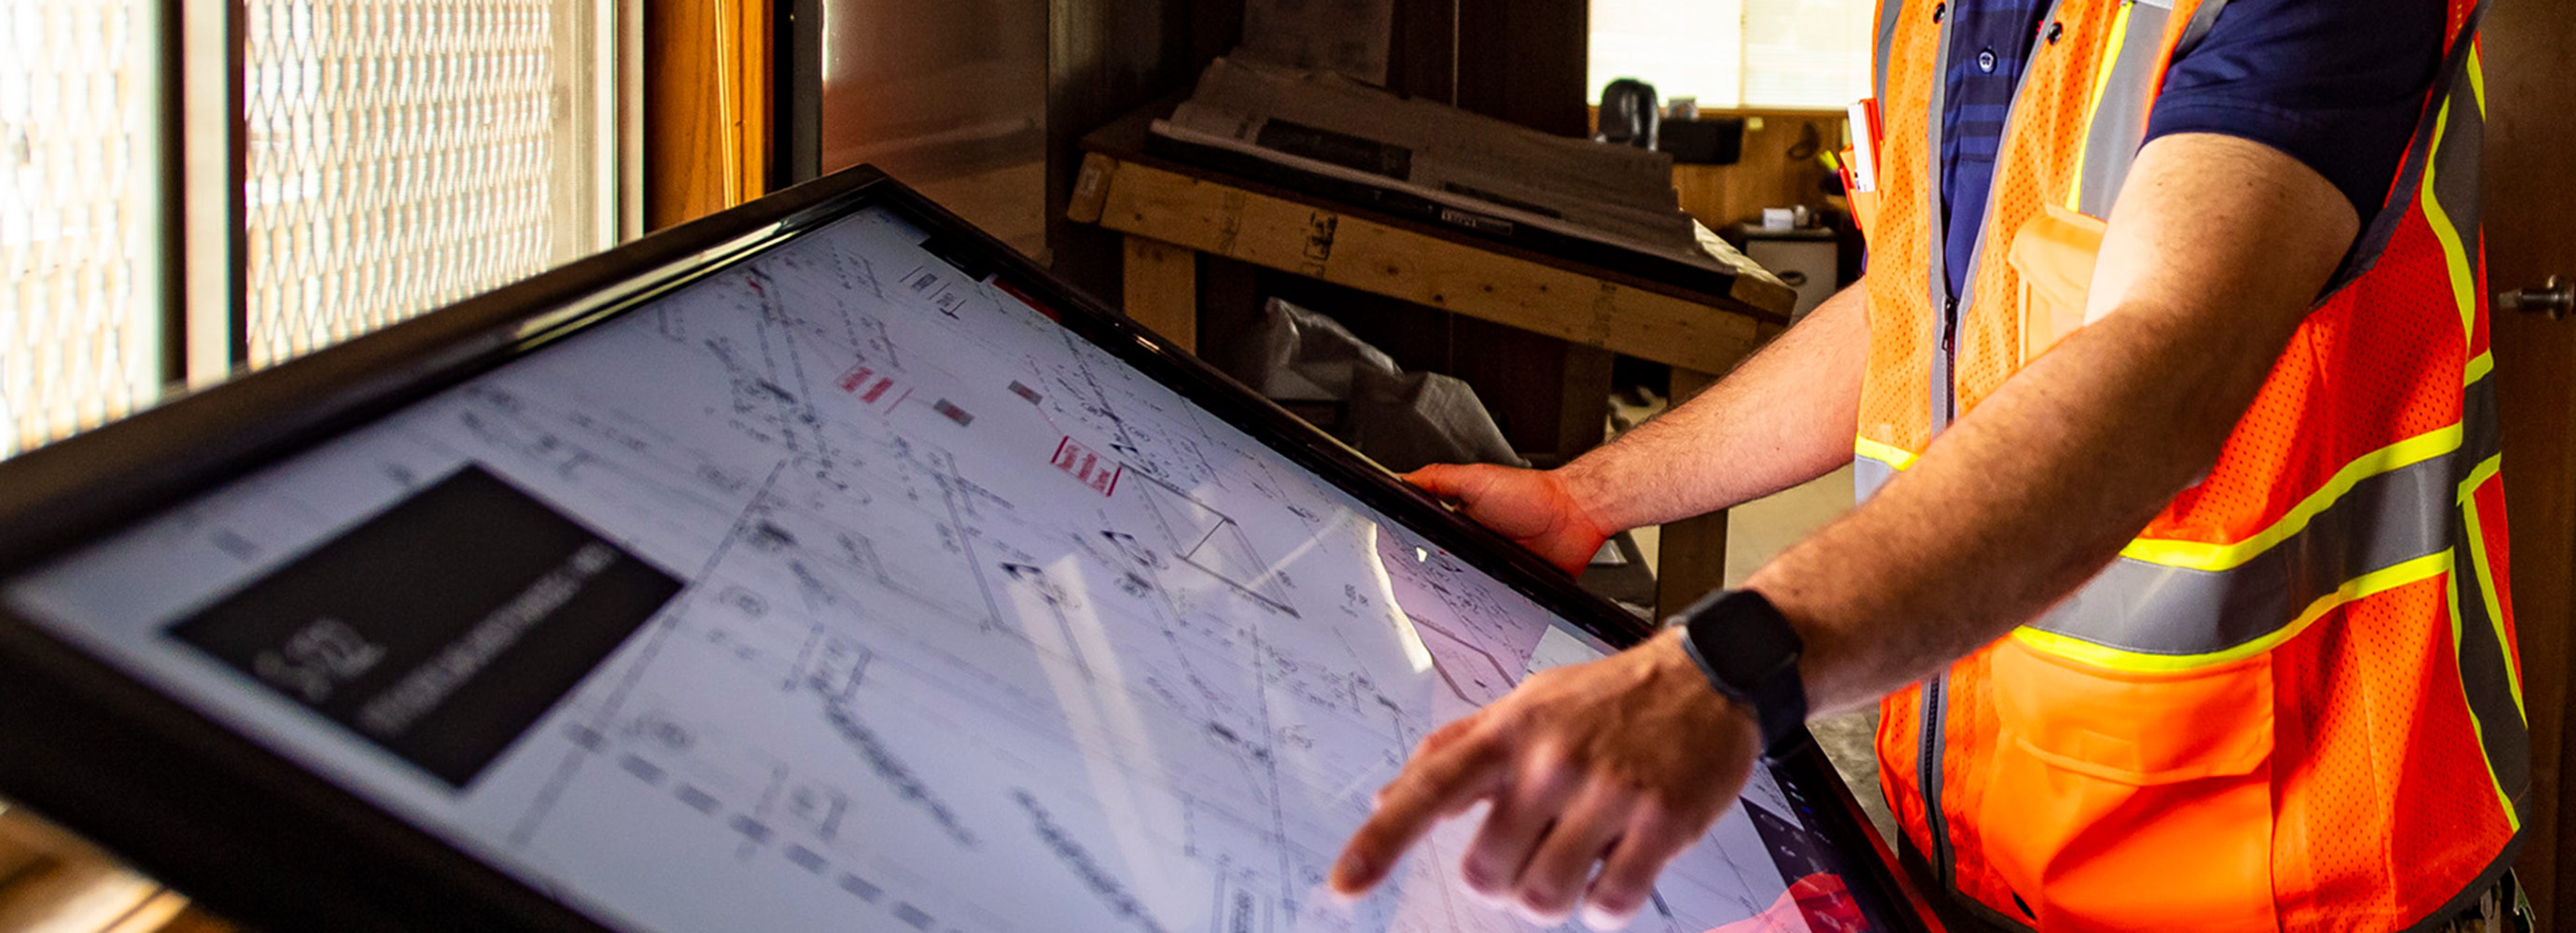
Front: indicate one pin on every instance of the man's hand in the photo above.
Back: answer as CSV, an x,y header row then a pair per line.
x,y
1622,762
1534,508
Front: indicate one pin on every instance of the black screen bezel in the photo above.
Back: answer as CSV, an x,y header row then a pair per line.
x,y
269,843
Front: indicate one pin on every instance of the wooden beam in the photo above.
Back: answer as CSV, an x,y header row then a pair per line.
x,y
1380,259
1691,560
1163,290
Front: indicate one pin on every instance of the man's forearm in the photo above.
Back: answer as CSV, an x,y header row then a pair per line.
x,y
1782,418
2218,248
2014,508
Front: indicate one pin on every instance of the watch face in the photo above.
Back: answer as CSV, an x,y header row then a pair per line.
x,y
1744,639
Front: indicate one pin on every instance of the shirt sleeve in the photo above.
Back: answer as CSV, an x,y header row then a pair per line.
x,y
2336,84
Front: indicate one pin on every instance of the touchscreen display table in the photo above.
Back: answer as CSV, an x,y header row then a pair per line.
x,y
845,588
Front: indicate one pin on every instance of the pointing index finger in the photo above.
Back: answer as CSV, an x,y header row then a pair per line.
x,y
1437,784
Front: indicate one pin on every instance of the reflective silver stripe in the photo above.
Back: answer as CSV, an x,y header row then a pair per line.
x,y
2385,520
2410,175
1890,12
2455,168
2120,117
2485,676
2487,681
1868,474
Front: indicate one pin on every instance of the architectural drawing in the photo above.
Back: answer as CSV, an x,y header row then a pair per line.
x,y
982,630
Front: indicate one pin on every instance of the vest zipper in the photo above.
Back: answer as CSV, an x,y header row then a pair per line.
x,y
1949,400
1945,402
1946,399
1927,773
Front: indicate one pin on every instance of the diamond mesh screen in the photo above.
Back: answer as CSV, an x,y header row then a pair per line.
x,y
79,334
403,154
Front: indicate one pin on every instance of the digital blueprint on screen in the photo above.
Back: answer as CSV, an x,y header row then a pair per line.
x,y
840,590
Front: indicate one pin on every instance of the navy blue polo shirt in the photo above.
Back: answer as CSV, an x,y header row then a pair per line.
x,y
2337,84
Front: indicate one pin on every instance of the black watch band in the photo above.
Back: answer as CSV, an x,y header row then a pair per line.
x,y
1750,654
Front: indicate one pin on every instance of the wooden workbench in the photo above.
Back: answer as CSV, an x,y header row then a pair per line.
x,y
1173,213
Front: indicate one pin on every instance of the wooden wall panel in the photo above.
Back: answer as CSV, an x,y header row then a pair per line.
x,y
2529,195
1105,59
1526,67
1525,62
1778,169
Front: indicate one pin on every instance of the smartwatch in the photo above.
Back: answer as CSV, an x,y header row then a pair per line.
x,y
1750,654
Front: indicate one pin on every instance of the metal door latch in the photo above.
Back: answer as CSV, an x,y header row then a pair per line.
x,y
2554,298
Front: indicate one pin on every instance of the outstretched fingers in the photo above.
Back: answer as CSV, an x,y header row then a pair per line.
x,y
1654,836
1438,783
1522,815
1554,878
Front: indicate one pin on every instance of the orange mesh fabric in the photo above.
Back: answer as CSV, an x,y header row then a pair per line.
x,y
1895,402
1970,728
2374,763
2393,811
1895,395
2035,167
1898,747
2380,363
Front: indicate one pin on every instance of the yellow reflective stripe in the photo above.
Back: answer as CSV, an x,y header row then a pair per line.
x,y
2478,79
2366,585
2464,282
2107,56
2503,800
1894,457
2478,477
2486,577
2202,555
2479,368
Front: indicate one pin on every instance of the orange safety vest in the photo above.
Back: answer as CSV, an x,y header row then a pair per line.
x,y
2292,703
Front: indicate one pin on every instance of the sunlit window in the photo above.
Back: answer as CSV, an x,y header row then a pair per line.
x,y
81,307
396,155
403,155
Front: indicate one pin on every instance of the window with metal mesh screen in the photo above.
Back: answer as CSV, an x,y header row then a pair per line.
x,y
406,153
79,308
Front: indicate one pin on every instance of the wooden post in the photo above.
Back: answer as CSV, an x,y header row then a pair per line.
x,y
1163,290
1692,559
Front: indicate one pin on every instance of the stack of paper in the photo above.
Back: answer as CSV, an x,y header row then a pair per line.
x,y
1490,173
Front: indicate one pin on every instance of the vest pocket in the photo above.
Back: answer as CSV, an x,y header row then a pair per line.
x,y
2054,254
2120,800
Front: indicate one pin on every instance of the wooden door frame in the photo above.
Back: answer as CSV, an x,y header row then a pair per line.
x,y
2528,197
710,70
